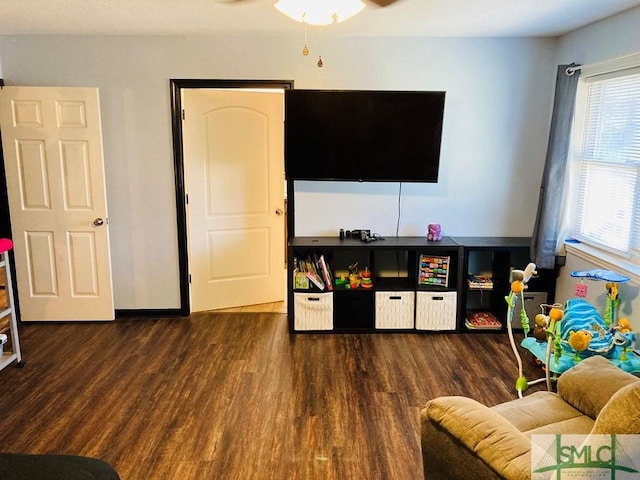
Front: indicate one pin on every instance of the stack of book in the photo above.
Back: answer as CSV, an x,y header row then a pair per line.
x,y
314,269
482,321
483,282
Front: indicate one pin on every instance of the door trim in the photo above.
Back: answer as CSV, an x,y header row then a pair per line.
x,y
176,86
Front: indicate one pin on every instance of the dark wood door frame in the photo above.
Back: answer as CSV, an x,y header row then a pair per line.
x,y
177,85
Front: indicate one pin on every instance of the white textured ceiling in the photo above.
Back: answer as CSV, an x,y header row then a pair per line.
x,y
445,18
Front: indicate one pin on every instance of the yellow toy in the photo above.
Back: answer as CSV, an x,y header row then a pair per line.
x,y
621,328
623,325
579,341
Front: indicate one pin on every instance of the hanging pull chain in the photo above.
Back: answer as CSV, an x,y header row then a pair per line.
x,y
305,50
320,64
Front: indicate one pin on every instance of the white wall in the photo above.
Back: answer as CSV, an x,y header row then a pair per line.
x,y
494,142
497,111
613,37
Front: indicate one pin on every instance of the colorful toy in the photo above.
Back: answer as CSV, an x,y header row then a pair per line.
x,y
518,285
581,289
579,341
576,330
365,279
524,275
434,232
623,325
581,333
541,323
553,344
356,279
612,279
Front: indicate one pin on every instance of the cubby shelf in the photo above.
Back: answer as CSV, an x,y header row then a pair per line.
x,y
401,299
495,257
394,264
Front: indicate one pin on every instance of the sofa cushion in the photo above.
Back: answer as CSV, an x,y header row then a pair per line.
x,y
581,425
590,384
622,413
538,410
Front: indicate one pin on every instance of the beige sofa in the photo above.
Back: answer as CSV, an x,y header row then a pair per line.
x,y
464,439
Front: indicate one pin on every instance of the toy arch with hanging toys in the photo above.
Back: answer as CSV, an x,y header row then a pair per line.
x,y
518,285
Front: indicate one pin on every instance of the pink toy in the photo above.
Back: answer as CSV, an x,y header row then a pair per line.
x,y
581,290
434,232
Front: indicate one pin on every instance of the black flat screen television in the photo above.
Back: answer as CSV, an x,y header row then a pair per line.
x,y
363,135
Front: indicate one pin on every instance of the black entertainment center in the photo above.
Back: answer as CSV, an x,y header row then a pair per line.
x,y
367,283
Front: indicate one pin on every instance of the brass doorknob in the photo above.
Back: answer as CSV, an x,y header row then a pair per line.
x,y
279,211
98,222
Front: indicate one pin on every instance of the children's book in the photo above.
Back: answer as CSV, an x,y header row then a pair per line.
x,y
482,321
480,281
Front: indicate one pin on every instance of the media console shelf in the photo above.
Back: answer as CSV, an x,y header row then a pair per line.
x,y
414,284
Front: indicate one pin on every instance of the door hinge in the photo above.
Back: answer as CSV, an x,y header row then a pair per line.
x,y
183,113
186,198
189,279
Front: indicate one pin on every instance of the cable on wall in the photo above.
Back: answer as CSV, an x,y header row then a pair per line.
x,y
398,226
399,199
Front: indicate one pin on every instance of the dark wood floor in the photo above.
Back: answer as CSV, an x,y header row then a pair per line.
x,y
234,396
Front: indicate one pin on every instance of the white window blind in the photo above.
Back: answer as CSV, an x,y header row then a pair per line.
x,y
608,156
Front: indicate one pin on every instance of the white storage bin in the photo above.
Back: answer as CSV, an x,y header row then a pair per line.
x,y
313,311
395,310
436,310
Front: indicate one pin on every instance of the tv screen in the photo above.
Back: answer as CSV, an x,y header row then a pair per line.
x,y
363,135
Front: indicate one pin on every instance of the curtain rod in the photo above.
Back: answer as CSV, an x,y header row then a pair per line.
x,y
572,69
606,66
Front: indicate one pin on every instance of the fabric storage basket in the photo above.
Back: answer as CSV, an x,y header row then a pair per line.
x,y
313,311
395,310
436,310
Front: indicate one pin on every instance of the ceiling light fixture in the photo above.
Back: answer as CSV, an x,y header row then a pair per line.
x,y
319,13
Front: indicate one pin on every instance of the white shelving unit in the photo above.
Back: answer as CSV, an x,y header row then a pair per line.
x,y
11,351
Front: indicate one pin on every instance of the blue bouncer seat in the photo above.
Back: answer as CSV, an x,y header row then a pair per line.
x,y
581,315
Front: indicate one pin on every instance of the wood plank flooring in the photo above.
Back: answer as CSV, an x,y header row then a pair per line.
x,y
235,396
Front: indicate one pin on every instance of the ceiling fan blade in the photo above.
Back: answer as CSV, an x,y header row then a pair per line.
x,y
383,3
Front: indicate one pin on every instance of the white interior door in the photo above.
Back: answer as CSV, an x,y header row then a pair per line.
x,y
52,145
233,145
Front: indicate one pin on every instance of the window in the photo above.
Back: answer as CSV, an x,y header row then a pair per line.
x,y
606,162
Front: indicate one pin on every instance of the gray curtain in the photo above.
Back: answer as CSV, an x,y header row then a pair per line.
x,y
545,231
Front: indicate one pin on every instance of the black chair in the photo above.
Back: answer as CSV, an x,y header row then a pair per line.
x,y
54,467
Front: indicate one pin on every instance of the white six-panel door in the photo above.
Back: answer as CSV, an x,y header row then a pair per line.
x,y
234,167
52,145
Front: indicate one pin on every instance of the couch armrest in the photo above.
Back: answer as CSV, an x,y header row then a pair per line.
x,y
589,385
488,445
